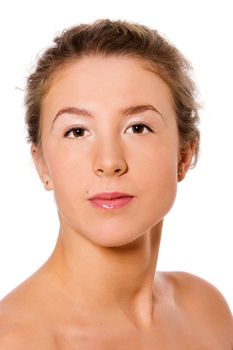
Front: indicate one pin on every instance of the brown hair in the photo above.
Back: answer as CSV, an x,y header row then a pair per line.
x,y
106,37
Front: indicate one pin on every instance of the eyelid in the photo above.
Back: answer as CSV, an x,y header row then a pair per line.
x,y
149,128
140,123
71,128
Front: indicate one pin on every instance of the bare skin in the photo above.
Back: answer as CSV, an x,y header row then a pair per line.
x,y
188,314
100,288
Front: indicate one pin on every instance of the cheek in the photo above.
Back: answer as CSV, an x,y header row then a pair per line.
x,y
65,165
158,179
69,177
160,168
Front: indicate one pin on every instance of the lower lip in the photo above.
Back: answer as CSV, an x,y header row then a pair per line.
x,y
111,203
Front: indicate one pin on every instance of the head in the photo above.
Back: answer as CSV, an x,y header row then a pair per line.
x,y
102,79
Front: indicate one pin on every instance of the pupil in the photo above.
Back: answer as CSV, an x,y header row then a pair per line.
x,y
138,127
78,132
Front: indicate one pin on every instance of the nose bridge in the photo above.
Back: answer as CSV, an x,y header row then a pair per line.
x,y
109,155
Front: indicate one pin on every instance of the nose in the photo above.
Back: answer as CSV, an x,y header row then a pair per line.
x,y
109,160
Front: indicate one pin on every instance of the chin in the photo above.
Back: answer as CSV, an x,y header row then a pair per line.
x,y
116,235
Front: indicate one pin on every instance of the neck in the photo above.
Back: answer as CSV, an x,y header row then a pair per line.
x,y
109,280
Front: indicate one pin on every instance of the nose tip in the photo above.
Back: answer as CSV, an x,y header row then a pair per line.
x,y
109,157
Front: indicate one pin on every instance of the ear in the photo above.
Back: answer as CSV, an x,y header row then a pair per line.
x,y
185,159
41,167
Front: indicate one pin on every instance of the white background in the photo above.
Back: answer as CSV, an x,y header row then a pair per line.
x,y
197,235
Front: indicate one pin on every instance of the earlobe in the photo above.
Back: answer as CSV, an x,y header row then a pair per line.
x,y
185,160
41,167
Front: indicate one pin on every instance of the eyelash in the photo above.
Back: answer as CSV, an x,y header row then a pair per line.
x,y
80,128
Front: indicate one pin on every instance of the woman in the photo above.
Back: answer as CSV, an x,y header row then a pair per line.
x,y
112,121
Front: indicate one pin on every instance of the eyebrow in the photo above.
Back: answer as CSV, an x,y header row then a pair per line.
x,y
86,113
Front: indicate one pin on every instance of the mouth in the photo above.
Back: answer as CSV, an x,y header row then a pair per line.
x,y
114,200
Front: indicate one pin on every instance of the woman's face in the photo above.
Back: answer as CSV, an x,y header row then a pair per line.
x,y
106,152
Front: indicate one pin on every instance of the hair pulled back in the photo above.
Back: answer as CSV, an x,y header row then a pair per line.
x,y
106,37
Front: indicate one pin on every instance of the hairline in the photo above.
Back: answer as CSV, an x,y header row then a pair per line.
x,y
53,77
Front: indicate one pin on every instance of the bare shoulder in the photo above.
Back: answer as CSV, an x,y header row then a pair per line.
x,y
22,331
21,337
203,303
21,334
21,325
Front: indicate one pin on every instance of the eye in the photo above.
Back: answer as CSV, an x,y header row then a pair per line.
x,y
138,128
75,132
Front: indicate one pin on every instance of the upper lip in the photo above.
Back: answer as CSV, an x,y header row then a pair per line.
x,y
110,195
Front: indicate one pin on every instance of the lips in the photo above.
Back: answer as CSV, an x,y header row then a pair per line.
x,y
113,200
110,195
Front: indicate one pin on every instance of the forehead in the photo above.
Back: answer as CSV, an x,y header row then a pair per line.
x,y
110,80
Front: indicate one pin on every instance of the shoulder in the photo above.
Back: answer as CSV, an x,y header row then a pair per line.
x,y
203,303
22,333
204,294
15,338
22,326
